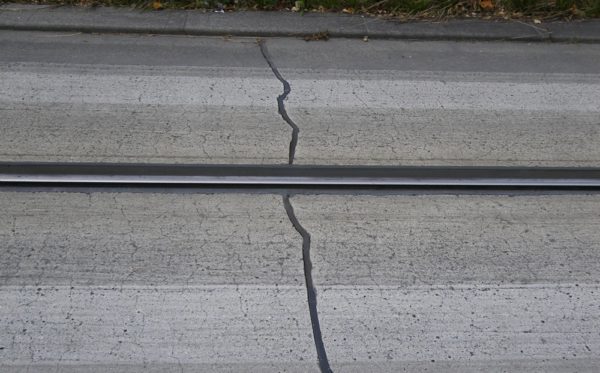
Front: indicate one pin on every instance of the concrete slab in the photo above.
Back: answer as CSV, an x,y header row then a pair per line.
x,y
151,282
456,283
442,103
155,328
475,59
133,99
571,31
459,29
518,329
165,99
166,51
101,19
455,137
155,134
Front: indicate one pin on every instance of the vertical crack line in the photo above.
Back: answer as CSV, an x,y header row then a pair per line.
x,y
280,100
310,287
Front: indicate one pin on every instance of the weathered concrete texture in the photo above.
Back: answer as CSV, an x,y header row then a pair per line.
x,y
168,282
433,56
131,86
245,367
419,93
155,134
213,100
136,50
112,239
457,283
104,102
415,103
459,137
93,282
580,31
145,117
446,239
183,328
429,122
500,329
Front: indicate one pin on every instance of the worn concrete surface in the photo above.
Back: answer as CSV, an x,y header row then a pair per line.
x,y
501,240
213,100
169,282
135,99
432,103
132,282
151,282
457,283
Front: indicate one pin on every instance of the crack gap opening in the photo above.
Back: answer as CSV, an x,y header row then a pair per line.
x,y
310,288
280,100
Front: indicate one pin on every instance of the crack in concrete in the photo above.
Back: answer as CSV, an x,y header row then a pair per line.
x,y
280,100
310,287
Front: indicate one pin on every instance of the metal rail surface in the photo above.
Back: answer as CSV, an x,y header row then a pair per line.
x,y
294,176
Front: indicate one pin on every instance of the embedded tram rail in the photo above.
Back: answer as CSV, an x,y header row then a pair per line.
x,y
296,177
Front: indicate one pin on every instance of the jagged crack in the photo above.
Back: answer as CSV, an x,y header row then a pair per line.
x,y
310,288
280,100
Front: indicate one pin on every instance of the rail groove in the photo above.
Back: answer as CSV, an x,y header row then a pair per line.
x,y
282,176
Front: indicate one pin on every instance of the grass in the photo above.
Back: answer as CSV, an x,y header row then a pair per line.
x,y
540,9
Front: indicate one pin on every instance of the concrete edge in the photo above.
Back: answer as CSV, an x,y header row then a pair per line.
x,y
281,24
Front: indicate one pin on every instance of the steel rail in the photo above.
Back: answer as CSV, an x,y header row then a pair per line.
x,y
26,173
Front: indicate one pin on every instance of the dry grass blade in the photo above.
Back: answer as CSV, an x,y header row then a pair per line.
x,y
323,36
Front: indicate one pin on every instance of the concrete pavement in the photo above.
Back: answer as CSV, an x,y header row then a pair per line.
x,y
135,282
162,282
464,283
213,100
83,97
181,281
433,103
